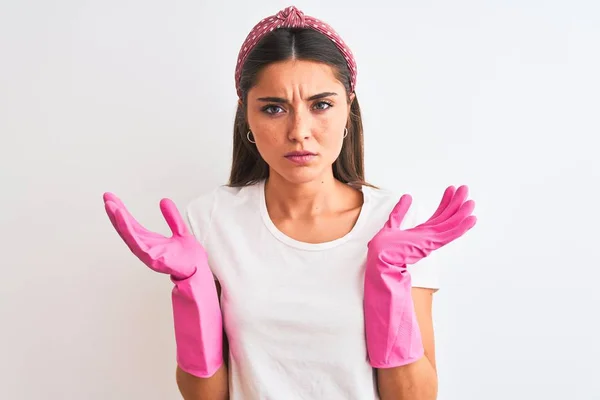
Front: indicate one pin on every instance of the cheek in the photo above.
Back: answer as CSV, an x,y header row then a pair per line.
x,y
336,145
270,137
333,130
265,131
269,140
330,140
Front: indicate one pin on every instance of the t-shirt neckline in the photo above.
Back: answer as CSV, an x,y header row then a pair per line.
x,y
282,237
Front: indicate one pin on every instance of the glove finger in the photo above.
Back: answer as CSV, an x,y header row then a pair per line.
x,y
457,200
142,234
446,199
111,208
399,212
463,212
125,229
173,217
458,231
134,223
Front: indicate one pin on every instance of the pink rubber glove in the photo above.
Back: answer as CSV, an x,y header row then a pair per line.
x,y
392,332
196,311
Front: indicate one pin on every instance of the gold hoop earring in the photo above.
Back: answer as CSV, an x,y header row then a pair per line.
x,y
345,133
248,137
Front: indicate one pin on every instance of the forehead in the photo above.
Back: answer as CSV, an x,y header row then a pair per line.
x,y
288,75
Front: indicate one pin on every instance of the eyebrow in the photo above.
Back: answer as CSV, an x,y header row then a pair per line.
x,y
282,100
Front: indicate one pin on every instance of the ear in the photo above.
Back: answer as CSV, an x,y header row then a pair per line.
x,y
350,101
352,97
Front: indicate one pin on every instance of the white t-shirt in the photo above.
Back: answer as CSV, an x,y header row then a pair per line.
x,y
293,311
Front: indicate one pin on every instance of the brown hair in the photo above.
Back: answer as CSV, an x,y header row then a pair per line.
x,y
247,165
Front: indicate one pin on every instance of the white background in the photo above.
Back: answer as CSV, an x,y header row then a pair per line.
x,y
137,97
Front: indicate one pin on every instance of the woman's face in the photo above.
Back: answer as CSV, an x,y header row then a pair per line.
x,y
298,106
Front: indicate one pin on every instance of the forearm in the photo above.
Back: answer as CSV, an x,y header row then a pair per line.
x,y
192,387
215,387
415,381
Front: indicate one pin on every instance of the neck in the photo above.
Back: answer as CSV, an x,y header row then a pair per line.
x,y
305,200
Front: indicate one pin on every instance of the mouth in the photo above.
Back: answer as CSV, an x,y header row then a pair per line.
x,y
299,153
300,157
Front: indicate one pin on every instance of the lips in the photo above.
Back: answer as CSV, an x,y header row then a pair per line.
x,y
300,157
299,153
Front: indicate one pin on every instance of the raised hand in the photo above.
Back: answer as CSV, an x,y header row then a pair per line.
x,y
196,310
178,255
451,220
392,330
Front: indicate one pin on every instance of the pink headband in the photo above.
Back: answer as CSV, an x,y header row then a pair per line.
x,y
291,17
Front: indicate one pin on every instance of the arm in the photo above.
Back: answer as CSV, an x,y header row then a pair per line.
x,y
418,380
201,372
215,387
194,388
398,321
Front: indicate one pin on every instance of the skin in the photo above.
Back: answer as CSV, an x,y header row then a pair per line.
x,y
300,105
304,201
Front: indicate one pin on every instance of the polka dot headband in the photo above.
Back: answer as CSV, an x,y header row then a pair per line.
x,y
291,17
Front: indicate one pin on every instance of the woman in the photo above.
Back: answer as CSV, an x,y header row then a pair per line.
x,y
309,269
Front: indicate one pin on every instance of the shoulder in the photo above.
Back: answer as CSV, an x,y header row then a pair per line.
x,y
201,210
381,201
221,195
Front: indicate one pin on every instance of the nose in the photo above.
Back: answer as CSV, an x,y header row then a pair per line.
x,y
300,126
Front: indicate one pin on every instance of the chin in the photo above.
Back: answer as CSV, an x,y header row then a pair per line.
x,y
301,175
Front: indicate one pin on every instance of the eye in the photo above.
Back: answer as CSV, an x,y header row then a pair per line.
x,y
269,109
320,105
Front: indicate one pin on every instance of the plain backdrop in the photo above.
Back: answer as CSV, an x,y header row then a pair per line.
x,y
137,97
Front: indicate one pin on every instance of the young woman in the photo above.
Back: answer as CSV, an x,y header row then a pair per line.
x,y
299,280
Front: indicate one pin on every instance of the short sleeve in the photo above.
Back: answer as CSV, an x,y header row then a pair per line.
x,y
199,217
426,272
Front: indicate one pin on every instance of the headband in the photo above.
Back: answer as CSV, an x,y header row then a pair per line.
x,y
291,17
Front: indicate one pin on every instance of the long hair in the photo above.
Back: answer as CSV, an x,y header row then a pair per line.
x,y
247,165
